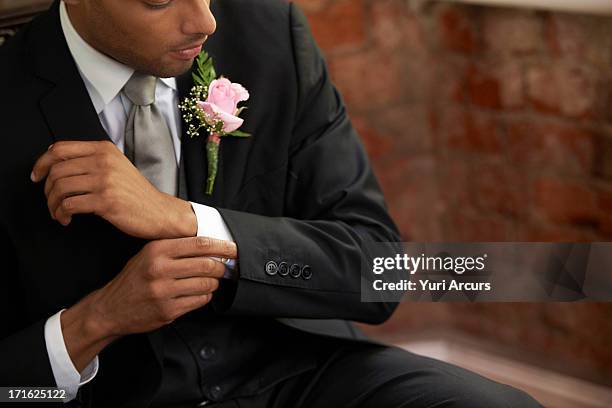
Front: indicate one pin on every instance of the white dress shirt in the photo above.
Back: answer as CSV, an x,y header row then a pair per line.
x,y
105,78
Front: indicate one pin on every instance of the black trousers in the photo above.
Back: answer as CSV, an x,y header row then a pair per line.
x,y
357,375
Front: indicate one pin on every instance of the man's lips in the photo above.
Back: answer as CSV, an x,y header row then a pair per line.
x,y
188,53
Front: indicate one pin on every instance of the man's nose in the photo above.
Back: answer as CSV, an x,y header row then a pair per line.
x,y
198,18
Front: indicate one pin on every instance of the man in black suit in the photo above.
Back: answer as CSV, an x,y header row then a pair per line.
x,y
145,310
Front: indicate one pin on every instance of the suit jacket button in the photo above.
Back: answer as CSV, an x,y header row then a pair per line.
x,y
295,271
306,272
271,268
283,269
215,392
208,353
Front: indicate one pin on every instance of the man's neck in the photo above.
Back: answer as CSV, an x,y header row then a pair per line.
x,y
76,19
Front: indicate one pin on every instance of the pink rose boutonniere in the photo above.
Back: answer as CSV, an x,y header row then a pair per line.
x,y
213,105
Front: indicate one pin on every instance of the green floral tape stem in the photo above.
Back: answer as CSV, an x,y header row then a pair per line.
x,y
212,154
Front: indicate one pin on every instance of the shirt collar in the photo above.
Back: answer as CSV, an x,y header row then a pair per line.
x,y
104,76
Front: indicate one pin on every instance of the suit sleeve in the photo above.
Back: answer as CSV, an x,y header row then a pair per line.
x,y
333,206
23,352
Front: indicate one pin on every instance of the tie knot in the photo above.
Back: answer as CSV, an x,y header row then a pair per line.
x,y
140,89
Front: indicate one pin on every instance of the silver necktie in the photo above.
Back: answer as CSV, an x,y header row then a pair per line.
x,y
148,141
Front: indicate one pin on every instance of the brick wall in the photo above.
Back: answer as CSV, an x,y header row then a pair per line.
x,y
485,124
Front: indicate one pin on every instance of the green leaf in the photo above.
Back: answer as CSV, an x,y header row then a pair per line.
x,y
198,80
238,133
205,71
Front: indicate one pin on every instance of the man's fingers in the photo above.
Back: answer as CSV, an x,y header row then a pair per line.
x,y
193,286
79,204
195,267
62,151
186,304
73,167
200,246
67,187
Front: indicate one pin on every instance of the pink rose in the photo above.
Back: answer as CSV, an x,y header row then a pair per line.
x,y
222,103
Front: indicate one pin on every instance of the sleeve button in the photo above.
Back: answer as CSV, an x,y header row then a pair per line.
x,y
271,268
283,269
306,272
295,271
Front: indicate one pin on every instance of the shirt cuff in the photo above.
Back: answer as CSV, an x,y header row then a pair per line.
x,y
211,224
65,373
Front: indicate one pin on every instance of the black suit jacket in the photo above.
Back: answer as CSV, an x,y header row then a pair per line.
x,y
300,190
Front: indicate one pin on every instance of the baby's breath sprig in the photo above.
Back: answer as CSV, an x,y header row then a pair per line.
x,y
192,114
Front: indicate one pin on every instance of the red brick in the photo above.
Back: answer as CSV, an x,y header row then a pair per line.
x,y
464,226
543,89
457,29
565,202
607,110
570,91
497,86
605,207
312,6
410,189
416,77
544,145
509,31
414,214
605,227
578,37
375,143
363,86
451,84
603,159
408,126
499,189
604,197
394,133
470,132
395,27
454,175
553,233
484,89
337,24
396,173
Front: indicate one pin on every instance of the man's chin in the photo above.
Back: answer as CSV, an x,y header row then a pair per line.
x,y
173,69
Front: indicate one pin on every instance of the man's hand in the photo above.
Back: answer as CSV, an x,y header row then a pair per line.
x,y
164,281
95,177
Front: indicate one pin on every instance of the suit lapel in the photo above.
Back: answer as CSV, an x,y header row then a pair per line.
x,y
67,107
74,120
